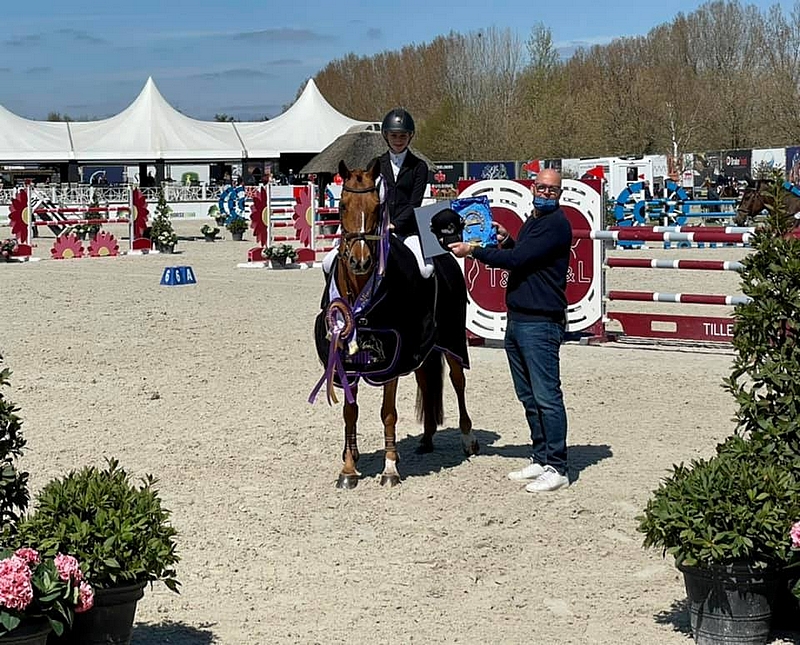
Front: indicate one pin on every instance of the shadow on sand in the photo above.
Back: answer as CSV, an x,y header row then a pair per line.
x,y
448,454
169,633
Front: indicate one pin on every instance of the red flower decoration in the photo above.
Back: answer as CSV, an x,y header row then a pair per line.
x,y
259,216
139,213
303,216
19,216
104,244
67,247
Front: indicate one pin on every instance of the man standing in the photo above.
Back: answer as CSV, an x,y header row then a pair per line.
x,y
537,264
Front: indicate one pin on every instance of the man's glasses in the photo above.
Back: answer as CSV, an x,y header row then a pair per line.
x,y
547,190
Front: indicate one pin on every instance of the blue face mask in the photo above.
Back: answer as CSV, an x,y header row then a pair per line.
x,y
545,206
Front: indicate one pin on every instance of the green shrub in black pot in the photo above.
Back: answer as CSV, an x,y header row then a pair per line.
x,y
118,530
121,535
732,522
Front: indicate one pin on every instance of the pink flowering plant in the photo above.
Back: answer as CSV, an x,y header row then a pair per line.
x,y
35,587
794,534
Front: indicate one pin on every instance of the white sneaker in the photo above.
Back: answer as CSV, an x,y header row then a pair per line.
x,y
549,480
531,471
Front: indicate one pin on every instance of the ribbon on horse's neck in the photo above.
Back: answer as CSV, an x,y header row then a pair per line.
x,y
342,316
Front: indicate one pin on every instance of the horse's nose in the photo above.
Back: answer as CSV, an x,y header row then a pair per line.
x,y
360,265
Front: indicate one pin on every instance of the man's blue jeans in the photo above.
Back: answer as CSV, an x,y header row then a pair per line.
x,y
533,356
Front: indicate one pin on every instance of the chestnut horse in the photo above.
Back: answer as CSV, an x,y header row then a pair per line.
x,y
381,319
754,201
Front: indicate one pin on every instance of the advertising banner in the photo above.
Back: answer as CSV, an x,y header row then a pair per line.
x,y
736,164
491,169
444,180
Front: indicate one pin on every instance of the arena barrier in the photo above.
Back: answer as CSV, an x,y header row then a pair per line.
x,y
709,329
28,211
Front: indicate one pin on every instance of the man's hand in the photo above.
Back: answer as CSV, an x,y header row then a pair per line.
x,y
502,233
460,249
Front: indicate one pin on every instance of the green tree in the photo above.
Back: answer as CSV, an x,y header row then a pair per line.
x,y
161,230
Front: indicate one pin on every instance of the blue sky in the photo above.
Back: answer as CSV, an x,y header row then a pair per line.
x,y
247,58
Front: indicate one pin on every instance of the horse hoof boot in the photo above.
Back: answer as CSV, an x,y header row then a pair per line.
x,y
392,480
347,482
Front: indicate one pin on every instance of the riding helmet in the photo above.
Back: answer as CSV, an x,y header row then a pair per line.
x,y
397,120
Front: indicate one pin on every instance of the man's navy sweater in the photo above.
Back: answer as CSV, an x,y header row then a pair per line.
x,y
537,265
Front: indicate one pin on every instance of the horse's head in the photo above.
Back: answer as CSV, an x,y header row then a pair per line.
x,y
360,210
751,204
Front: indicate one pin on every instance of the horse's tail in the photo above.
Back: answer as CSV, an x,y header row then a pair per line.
x,y
433,370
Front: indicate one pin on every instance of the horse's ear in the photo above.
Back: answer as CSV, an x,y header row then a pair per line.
x,y
344,171
374,168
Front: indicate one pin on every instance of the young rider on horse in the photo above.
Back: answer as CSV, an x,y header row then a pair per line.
x,y
404,176
403,180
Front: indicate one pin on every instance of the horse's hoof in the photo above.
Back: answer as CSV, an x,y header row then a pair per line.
x,y
392,480
424,447
347,482
472,449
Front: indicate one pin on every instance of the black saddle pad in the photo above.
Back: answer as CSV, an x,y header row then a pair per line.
x,y
396,331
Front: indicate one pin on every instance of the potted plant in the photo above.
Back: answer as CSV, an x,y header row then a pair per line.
x,y
219,218
237,225
732,522
7,249
209,232
120,533
95,217
280,254
79,230
728,521
161,231
166,241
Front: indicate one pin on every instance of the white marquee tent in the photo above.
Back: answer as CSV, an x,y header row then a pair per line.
x,y
23,140
150,129
308,126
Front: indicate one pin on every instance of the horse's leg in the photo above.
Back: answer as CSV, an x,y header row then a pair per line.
x,y
390,475
348,478
457,377
429,407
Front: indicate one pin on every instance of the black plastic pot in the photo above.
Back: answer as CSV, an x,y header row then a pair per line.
x,y
33,633
730,604
109,622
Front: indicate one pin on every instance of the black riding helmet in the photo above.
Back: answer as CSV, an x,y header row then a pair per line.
x,y
397,120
